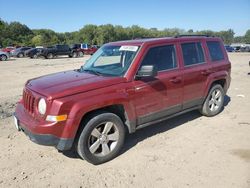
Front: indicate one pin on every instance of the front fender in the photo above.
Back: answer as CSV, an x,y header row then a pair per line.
x,y
82,107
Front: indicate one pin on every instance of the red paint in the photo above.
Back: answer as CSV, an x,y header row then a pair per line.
x,y
76,94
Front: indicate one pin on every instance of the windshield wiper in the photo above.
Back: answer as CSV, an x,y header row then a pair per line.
x,y
92,71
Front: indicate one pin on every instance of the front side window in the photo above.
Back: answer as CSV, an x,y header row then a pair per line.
x,y
163,57
111,60
215,50
192,53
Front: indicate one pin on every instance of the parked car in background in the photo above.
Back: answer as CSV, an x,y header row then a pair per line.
x,y
229,48
245,48
33,52
8,49
58,50
87,49
4,56
19,52
150,80
84,49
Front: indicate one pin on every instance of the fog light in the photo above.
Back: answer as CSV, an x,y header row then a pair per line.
x,y
56,118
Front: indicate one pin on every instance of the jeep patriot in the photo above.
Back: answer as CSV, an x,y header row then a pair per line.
x,y
123,87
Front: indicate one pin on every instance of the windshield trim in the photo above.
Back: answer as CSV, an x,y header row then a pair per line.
x,y
138,52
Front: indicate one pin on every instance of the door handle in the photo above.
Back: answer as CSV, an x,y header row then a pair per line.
x,y
175,80
207,72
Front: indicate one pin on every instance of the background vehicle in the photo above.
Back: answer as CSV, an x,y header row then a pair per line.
x,y
123,87
229,48
84,49
245,48
4,56
33,52
19,52
58,50
8,49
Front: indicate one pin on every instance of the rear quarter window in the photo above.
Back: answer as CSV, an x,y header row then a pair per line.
x,y
215,50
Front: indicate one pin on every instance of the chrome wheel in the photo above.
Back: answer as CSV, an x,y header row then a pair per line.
x,y
103,139
80,54
35,56
74,55
50,56
215,100
3,57
20,55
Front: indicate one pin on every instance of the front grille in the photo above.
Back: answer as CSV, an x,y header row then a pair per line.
x,y
28,101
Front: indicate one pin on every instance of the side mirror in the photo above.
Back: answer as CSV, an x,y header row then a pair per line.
x,y
147,71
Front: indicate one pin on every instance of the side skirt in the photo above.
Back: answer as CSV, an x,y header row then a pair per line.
x,y
167,117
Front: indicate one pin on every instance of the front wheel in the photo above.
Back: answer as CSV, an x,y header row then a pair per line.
x,y
74,54
3,57
214,102
81,54
101,138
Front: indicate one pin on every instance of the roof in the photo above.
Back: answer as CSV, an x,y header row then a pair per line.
x,y
139,42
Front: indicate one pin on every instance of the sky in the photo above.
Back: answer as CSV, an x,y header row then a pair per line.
x,y
67,16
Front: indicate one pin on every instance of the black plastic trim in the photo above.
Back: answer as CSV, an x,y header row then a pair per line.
x,y
48,139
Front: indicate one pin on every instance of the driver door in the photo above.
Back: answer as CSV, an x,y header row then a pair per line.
x,y
160,96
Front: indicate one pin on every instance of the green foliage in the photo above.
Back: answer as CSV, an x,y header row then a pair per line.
x,y
247,37
15,33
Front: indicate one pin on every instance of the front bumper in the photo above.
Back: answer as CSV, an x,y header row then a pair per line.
x,y
41,133
47,139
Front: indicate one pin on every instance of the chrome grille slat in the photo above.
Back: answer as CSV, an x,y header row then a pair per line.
x,y
28,101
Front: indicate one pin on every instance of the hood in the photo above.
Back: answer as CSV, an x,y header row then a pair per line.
x,y
70,82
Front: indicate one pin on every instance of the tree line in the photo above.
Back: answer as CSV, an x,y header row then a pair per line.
x,y
16,33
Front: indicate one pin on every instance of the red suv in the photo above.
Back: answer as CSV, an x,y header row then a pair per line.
x,y
123,87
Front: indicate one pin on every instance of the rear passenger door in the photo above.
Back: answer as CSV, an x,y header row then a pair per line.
x,y
162,95
195,73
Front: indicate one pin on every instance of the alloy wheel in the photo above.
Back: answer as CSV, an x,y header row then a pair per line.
x,y
103,139
215,100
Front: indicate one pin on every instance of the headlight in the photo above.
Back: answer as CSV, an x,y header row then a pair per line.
x,y
42,106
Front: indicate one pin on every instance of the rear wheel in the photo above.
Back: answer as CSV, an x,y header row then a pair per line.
x,y
3,57
50,55
101,138
20,55
74,54
214,102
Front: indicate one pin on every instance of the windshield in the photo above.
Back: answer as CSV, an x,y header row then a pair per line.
x,y
111,60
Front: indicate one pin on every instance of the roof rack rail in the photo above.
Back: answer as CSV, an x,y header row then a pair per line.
x,y
178,36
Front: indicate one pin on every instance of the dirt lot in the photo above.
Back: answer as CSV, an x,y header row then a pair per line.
x,y
187,151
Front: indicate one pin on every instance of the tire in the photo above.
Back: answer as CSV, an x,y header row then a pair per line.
x,y
74,54
20,55
35,56
95,144
214,102
3,57
80,54
50,56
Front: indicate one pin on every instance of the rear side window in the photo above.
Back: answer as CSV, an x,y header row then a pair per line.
x,y
163,57
192,53
215,50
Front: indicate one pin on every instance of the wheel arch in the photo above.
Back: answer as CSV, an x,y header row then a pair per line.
x,y
117,109
221,78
